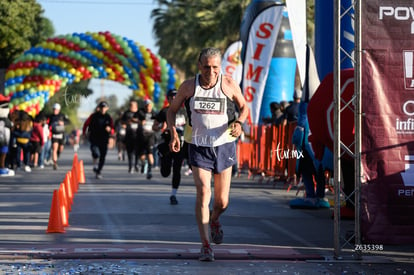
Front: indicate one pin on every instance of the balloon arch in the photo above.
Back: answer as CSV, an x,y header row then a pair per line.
x,y
34,77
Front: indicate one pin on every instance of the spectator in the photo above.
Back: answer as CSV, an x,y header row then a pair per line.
x,y
292,111
44,158
22,131
5,130
277,114
36,140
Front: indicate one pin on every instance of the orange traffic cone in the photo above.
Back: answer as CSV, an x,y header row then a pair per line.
x,y
64,214
75,160
55,220
74,180
67,201
68,188
75,164
81,172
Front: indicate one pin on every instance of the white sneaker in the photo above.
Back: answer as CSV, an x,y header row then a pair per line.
x,y
188,172
7,173
27,169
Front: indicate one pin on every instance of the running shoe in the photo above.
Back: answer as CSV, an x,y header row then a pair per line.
x,y
216,232
149,176
5,172
98,176
206,254
173,200
323,203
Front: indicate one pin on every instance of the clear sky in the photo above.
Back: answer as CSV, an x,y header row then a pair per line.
x,y
127,18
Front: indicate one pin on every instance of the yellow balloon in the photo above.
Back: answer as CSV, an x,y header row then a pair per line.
x,y
150,81
119,68
141,93
10,74
20,87
51,45
106,45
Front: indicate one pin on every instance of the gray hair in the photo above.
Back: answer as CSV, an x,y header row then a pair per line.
x,y
209,52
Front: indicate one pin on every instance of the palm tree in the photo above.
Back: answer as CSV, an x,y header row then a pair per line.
x,y
183,27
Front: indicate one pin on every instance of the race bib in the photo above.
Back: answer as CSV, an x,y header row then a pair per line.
x,y
148,126
207,105
57,136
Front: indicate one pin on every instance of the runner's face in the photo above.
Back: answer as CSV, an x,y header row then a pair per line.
x,y
210,69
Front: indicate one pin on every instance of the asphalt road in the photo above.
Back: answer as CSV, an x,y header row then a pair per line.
x,y
124,224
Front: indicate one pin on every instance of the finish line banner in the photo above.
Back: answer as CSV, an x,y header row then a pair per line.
x,y
387,194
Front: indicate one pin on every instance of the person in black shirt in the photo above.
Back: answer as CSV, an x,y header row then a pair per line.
x,y
292,111
130,120
57,132
98,128
146,136
170,159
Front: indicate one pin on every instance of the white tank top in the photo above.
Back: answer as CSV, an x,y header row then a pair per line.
x,y
209,118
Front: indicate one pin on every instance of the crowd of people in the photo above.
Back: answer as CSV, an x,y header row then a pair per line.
x,y
31,142
284,111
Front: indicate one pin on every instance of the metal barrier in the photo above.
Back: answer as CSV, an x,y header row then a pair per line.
x,y
267,150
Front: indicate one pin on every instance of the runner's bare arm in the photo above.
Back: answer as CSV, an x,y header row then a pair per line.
x,y
184,91
233,91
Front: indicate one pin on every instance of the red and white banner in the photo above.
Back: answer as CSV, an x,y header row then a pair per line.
x,y
231,63
259,51
387,194
297,20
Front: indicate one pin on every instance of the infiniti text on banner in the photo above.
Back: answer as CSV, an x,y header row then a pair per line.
x,y
387,194
259,50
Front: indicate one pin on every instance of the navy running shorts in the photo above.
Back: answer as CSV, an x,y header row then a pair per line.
x,y
214,159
